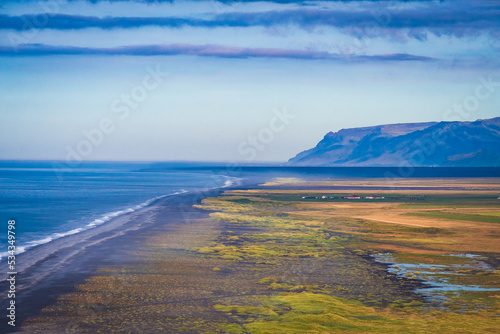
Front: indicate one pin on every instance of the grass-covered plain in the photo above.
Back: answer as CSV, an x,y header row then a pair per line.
x,y
478,217
333,230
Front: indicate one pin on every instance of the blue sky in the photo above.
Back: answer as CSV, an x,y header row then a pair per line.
x,y
67,67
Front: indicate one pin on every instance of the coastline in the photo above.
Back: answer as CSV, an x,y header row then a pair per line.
x,y
50,270
93,218
104,218
227,262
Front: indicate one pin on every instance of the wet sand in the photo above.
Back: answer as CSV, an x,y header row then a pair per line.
x,y
54,269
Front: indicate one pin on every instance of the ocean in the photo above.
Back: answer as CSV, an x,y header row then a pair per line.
x,y
48,203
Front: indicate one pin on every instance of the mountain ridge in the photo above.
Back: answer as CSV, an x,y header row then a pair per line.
x,y
447,143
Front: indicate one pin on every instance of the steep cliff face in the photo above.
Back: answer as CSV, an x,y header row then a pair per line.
x,y
418,144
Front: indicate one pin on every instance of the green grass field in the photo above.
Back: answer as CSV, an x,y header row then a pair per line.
x,y
483,218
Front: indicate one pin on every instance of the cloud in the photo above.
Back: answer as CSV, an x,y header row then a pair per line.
x,y
209,50
72,22
223,1
460,19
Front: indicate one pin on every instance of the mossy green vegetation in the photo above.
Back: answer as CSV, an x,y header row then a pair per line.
x,y
407,200
484,217
278,236
309,312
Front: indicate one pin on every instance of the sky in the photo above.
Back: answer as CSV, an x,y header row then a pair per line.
x,y
243,81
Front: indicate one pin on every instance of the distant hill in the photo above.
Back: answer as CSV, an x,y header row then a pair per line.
x,y
415,144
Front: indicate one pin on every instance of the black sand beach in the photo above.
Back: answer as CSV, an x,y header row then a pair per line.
x,y
51,270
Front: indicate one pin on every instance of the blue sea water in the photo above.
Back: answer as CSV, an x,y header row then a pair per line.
x,y
48,204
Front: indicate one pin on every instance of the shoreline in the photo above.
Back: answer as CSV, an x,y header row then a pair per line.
x,y
50,270
103,219
96,223
215,260
113,218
